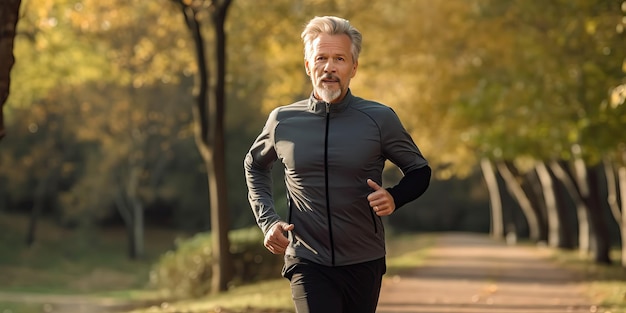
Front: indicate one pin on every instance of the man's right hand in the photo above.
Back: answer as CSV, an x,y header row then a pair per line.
x,y
275,239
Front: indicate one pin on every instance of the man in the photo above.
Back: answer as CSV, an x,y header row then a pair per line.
x,y
333,147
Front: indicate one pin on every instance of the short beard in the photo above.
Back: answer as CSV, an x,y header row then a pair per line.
x,y
328,95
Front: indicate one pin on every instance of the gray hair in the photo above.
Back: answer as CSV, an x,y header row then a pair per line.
x,y
331,25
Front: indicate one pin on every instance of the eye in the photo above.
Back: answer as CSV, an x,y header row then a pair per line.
x,y
320,58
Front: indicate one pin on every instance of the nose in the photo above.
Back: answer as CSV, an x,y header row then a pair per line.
x,y
329,67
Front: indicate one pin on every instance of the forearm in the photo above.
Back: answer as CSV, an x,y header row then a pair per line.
x,y
411,186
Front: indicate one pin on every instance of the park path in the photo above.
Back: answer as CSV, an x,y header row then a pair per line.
x,y
471,273
462,273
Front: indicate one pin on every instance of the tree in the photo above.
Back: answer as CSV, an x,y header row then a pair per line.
x,y
495,201
9,15
209,128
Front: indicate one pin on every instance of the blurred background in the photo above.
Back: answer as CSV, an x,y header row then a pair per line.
x,y
518,105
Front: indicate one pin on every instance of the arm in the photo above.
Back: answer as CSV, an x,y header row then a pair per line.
x,y
411,186
399,148
258,173
257,166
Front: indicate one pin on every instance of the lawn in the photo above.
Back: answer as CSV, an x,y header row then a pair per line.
x,y
71,262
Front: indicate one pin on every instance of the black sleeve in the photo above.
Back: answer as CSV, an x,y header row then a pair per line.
x,y
411,186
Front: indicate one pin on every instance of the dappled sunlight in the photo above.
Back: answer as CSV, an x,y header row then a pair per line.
x,y
100,158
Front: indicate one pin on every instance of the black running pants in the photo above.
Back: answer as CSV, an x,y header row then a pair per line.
x,y
339,289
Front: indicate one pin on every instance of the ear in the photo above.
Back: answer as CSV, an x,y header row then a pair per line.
x,y
306,67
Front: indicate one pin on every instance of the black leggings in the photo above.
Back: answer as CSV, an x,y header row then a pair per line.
x,y
340,289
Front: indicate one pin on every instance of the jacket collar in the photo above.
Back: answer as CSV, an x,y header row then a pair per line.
x,y
319,106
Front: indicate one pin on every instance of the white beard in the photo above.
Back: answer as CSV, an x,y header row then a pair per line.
x,y
328,95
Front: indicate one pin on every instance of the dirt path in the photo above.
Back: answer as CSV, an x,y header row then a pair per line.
x,y
469,273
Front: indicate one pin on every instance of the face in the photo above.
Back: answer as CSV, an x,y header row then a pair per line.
x,y
330,66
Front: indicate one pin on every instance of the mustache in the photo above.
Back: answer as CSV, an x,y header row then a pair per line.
x,y
328,77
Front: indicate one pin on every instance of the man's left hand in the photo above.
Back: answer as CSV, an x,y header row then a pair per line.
x,y
380,200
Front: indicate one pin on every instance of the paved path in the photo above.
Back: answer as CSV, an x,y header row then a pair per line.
x,y
470,273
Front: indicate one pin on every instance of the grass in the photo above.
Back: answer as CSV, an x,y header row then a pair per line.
x,y
66,262
606,284
407,251
266,296
19,307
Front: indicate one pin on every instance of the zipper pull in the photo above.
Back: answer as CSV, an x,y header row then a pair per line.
x,y
327,107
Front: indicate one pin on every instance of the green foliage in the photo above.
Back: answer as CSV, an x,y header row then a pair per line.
x,y
186,270
543,79
251,260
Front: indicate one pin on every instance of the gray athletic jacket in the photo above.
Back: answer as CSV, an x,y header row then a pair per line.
x,y
328,152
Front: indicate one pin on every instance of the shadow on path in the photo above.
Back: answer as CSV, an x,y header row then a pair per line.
x,y
471,273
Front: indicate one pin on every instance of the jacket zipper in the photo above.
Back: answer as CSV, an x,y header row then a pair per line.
x,y
330,229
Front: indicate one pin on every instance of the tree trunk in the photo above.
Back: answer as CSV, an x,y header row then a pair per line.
x,y
35,213
602,241
611,188
621,174
131,211
518,193
587,181
566,235
497,221
612,199
554,223
533,190
561,171
209,115
46,185
135,208
9,15
138,231
220,217
135,232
